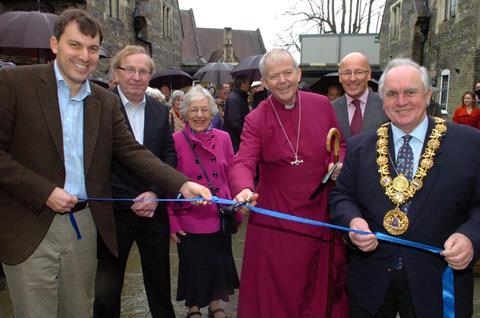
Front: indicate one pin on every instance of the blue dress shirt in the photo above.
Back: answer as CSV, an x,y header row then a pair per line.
x,y
71,110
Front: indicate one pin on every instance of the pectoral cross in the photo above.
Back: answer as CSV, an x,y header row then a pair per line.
x,y
296,161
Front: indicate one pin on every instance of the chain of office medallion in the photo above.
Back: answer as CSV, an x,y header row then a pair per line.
x,y
426,162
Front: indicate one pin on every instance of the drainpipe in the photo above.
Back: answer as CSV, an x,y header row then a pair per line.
x,y
424,28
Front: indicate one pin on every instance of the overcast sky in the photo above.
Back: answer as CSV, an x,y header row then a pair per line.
x,y
241,15
268,16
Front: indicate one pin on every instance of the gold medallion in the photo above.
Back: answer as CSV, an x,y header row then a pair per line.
x,y
399,190
395,222
400,183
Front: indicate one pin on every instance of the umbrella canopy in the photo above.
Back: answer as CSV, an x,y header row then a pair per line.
x,y
216,73
321,86
26,29
173,78
249,66
27,33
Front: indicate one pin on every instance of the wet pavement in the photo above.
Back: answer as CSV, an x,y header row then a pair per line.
x,y
134,300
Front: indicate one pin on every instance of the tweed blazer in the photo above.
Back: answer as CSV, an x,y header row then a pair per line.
x,y
373,117
32,158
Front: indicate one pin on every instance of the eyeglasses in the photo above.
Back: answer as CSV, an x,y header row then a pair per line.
x,y
132,71
356,73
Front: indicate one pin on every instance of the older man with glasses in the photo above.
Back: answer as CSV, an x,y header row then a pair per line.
x,y
145,223
359,109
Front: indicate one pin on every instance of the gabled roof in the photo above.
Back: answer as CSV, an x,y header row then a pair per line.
x,y
245,43
190,50
204,44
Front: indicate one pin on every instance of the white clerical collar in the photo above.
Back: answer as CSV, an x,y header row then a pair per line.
x,y
289,106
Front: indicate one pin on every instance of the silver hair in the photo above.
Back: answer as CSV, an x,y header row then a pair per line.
x,y
155,93
196,93
177,93
404,62
274,55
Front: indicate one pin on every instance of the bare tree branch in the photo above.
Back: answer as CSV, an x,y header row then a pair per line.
x,y
330,17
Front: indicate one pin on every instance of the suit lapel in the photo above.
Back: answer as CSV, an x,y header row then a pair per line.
x,y
148,124
343,117
371,112
91,125
48,96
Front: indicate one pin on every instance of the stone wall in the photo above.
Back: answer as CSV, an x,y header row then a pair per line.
x,y
452,44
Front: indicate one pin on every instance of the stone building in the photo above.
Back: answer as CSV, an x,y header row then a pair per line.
x,y
205,45
154,24
442,35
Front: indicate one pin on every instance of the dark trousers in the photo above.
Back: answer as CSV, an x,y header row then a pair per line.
x,y
397,300
153,240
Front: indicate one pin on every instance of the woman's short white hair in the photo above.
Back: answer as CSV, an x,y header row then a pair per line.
x,y
196,93
155,93
177,93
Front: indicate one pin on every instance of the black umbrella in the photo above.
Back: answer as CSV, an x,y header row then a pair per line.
x,y
249,66
216,73
27,33
321,86
173,78
26,29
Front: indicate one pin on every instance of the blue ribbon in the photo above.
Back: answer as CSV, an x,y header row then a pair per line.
x,y
75,226
447,276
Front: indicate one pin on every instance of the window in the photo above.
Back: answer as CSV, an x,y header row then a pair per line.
x,y
444,83
395,15
166,20
114,9
450,9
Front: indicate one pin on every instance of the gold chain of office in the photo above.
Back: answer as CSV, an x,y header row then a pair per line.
x,y
399,189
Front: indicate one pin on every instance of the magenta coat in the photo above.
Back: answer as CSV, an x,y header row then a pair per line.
x,y
215,151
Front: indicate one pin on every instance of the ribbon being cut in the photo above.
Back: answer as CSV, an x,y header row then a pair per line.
x,y
447,277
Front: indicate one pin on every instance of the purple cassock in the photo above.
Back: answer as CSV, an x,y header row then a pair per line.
x,y
285,267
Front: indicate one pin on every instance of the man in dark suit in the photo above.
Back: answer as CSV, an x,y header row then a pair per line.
x,y
359,109
236,108
416,177
132,68
59,134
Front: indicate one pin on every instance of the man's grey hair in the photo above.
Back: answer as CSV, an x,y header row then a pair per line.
x,y
404,62
196,93
274,55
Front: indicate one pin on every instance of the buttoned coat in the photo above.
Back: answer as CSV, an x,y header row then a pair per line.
x,y
448,202
373,116
215,152
32,158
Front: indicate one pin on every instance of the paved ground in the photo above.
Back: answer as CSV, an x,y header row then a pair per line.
x,y
134,300
134,303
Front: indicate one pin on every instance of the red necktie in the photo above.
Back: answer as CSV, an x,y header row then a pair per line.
x,y
356,124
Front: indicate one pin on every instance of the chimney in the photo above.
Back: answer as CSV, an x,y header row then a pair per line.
x,y
227,46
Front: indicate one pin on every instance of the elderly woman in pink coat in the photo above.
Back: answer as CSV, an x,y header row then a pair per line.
x,y
207,270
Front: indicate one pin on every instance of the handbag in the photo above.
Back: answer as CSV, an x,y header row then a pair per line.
x,y
226,214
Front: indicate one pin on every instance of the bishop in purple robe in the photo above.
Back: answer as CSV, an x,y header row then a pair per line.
x,y
285,271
